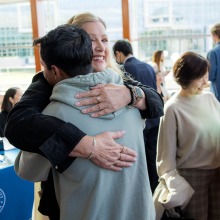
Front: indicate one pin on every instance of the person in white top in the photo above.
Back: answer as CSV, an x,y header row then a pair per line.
x,y
189,137
158,62
158,65
161,87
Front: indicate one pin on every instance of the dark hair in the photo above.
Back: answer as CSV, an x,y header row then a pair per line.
x,y
69,48
123,46
6,104
188,67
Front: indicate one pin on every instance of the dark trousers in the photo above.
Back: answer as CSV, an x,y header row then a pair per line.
x,y
48,203
150,139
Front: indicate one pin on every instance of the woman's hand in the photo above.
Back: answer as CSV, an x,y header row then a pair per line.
x,y
105,98
106,152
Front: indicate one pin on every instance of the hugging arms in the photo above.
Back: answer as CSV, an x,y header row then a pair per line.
x,y
60,142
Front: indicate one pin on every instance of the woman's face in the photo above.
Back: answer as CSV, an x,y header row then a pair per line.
x,y
16,97
196,86
100,44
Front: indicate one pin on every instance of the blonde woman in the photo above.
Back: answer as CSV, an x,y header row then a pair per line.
x,y
62,142
161,87
158,62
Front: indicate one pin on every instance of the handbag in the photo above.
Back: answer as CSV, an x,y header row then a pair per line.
x,y
172,191
176,191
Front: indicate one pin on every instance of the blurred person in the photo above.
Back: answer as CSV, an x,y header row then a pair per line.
x,y
81,190
145,74
161,87
158,64
189,140
214,59
139,70
62,142
11,97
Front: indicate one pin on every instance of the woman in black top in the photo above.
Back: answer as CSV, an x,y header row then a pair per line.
x,y
62,142
11,97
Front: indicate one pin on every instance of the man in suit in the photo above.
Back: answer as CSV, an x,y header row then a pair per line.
x,y
145,74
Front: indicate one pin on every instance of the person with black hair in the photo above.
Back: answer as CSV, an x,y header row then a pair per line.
x,y
11,97
66,55
61,142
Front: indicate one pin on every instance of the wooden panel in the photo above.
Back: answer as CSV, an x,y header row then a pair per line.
x,y
33,4
125,19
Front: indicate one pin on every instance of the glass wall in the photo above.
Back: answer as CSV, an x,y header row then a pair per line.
x,y
17,65
175,26
171,25
53,13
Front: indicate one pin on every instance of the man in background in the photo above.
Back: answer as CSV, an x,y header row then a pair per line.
x,y
145,74
214,59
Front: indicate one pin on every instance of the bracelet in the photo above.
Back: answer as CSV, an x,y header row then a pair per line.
x,y
134,96
133,100
90,156
93,143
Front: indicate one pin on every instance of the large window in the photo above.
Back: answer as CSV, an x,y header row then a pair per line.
x,y
171,25
17,63
16,54
175,26
52,13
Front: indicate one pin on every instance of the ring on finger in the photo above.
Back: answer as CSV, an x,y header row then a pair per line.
x,y
122,148
116,163
119,157
98,99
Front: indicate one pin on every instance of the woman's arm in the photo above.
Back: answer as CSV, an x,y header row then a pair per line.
x,y
154,103
112,97
167,142
29,130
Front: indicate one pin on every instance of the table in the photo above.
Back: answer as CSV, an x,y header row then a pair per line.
x,y
16,195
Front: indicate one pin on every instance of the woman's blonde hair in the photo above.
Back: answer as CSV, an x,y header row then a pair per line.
x,y
82,18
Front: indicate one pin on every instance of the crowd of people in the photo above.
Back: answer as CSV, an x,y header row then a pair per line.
x,y
109,134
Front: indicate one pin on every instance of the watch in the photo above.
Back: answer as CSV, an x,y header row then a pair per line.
x,y
136,94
